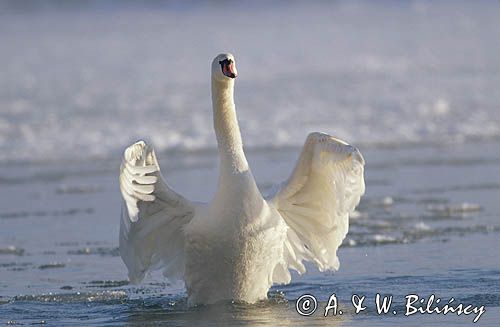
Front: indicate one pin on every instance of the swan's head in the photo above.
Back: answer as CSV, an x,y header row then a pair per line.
x,y
224,67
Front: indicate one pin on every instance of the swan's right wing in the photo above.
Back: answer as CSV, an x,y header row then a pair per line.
x,y
153,217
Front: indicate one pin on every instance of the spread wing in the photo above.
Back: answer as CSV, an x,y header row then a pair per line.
x,y
153,217
315,202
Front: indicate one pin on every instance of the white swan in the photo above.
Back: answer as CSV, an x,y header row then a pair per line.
x,y
237,246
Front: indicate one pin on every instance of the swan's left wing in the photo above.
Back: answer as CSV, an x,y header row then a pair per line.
x,y
153,217
315,202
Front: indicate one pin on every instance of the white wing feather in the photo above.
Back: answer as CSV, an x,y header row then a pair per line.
x,y
315,202
153,217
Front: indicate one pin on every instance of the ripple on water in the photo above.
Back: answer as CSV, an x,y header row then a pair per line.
x,y
102,251
100,296
383,202
78,189
107,283
459,188
52,265
16,266
419,233
379,233
47,213
488,299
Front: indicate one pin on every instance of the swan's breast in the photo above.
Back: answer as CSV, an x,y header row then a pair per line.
x,y
236,260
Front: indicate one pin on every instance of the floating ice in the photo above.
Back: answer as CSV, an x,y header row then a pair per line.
x,y
388,201
384,239
421,226
449,209
95,95
11,249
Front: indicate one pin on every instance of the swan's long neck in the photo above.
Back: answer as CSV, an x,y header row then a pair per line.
x,y
226,127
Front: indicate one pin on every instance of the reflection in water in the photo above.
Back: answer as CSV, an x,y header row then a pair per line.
x,y
269,313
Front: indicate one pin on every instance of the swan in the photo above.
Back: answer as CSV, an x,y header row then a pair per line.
x,y
236,247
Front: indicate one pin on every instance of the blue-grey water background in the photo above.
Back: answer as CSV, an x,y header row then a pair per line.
x,y
414,84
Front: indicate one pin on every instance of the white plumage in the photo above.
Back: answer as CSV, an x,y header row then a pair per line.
x,y
237,246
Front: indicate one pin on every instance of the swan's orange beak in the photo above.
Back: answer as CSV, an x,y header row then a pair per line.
x,y
227,66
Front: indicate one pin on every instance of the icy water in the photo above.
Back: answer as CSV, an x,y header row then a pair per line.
x,y
413,84
80,82
429,224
